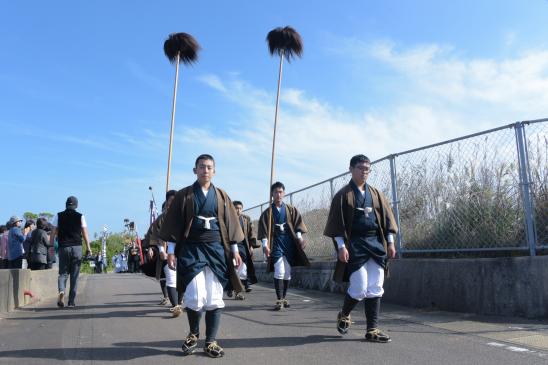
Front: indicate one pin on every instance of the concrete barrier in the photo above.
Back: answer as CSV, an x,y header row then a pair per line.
x,y
14,283
510,286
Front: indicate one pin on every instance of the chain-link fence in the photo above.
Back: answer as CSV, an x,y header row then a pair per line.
x,y
536,134
483,192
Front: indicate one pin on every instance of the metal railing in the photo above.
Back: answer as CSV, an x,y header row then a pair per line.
x,y
486,191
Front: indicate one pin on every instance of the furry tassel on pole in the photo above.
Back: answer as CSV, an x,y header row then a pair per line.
x,y
178,48
286,43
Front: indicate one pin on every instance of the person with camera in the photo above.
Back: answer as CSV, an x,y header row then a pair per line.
x,y
70,227
134,257
30,226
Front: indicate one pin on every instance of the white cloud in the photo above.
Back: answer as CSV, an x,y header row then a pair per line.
x,y
213,81
446,95
516,85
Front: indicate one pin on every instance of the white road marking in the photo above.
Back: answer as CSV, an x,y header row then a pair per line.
x,y
510,348
518,349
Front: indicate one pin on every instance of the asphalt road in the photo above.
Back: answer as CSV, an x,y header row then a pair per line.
x,y
117,320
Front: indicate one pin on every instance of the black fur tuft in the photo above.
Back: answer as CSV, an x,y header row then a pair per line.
x,y
185,45
285,40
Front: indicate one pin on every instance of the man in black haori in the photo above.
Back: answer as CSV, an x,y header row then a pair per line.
x,y
363,228
166,275
202,231
246,271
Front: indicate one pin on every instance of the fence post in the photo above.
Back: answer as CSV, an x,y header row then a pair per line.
x,y
331,190
395,203
524,181
291,198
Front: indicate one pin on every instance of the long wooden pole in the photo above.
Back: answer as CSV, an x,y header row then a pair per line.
x,y
273,150
172,121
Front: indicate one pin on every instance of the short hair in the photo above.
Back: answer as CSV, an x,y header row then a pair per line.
x,y
29,222
277,185
3,228
237,202
41,223
204,156
170,193
359,159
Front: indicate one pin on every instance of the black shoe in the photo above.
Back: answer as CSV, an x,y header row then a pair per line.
x,y
230,293
190,344
246,285
343,323
212,349
286,303
376,335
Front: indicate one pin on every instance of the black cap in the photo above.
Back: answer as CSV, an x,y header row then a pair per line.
x,y
72,202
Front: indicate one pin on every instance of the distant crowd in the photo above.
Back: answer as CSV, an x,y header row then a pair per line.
x,y
26,246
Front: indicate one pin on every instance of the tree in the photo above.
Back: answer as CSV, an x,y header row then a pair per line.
x,y
46,215
29,215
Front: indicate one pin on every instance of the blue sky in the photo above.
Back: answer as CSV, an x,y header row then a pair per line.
x,y
85,95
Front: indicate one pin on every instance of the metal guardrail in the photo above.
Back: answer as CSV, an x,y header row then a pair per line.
x,y
486,191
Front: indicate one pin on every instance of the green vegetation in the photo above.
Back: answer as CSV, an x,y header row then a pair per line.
x,y
457,196
115,244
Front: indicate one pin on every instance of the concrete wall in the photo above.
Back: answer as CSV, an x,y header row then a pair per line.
x,y
15,282
516,286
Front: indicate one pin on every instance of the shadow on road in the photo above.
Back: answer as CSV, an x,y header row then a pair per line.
x,y
257,342
134,350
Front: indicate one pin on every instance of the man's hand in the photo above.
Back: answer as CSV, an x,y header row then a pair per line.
x,y
171,261
266,251
391,251
237,259
303,243
251,252
150,253
89,253
343,254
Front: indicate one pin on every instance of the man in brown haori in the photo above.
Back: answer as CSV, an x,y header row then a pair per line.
x,y
285,246
363,228
203,231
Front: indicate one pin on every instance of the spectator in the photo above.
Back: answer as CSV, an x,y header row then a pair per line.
x,y
15,243
39,244
51,249
30,226
71,227
3,247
